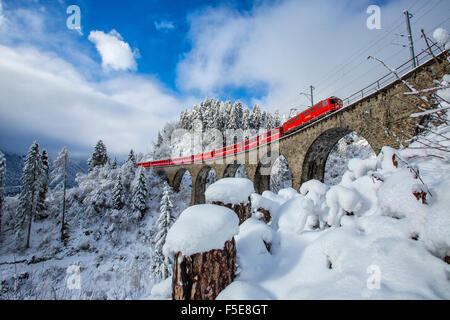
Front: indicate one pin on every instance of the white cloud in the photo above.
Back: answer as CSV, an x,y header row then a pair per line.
x,y
116,54
44,94
286,46
164,25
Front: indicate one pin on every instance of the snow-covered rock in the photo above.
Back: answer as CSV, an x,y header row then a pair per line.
x,y
201,228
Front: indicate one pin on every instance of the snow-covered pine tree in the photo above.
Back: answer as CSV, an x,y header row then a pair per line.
x,y
99,156
132,157
185,120
29,194
245,119
276,119
216,120
139,195
59,176
2,185
255,118
161,266
128,172
114,164
264,121
45,177
235,119
117,196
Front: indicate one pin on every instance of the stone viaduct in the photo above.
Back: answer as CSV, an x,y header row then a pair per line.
x,y
382,118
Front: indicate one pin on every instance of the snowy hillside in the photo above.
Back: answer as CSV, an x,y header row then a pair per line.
x,y
108,245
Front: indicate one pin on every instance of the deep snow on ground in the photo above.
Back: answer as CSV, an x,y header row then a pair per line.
x,y
391,246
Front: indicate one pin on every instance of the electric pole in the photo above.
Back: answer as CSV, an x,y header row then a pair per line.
x,y
411,44
312,96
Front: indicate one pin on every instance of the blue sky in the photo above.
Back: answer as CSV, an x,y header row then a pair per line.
x,y
137,64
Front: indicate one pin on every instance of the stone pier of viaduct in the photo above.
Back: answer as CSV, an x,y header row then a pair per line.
x,y
382,118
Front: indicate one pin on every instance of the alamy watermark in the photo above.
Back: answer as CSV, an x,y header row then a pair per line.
x,y
73,22
262,152
374,20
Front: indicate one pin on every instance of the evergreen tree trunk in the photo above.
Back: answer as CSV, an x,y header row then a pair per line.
x,y
64,204
31,213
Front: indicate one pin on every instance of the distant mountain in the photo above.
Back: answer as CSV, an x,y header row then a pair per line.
x,y
14,166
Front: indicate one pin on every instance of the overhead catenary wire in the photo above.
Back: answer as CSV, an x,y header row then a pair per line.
x,y
323,88
349,66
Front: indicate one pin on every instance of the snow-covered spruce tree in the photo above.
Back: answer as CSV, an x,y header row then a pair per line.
x,y
43,190
161,266
245,119
99,156
59,176
276,119
114,164
139,199
128,172
132,157
2,185
255,118
235,120
29,195
117,196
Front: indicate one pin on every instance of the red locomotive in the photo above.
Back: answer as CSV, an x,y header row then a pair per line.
x,y
316,112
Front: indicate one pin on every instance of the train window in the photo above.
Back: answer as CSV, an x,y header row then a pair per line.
x,y
298,118
306,113
269,134
325,103
319,106
333,101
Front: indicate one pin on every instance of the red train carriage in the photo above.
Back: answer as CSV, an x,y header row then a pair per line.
x,y
250,143
273,134
319,110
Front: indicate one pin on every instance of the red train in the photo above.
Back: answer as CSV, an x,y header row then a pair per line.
x,y
318,111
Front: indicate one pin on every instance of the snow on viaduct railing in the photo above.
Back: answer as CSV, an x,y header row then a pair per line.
x,y
389,78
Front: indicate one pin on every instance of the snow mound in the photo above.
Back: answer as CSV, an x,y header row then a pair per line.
x,y
287,193
437,222
260,202
341,200
294,213
253,242
163,290
314,190
230,190
201,228
242,290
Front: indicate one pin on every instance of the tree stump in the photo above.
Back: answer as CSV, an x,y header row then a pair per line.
x,y
202,276
243,211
